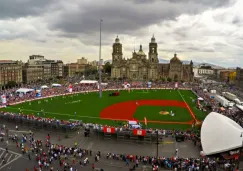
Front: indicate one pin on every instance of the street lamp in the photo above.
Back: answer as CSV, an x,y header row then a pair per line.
x,y
100,88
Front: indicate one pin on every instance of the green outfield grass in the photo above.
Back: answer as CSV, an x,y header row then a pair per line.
x,y
89,106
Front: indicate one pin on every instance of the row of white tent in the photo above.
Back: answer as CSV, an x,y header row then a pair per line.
x,y
27,90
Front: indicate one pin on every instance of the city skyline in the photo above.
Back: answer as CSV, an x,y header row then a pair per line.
x,y
202,31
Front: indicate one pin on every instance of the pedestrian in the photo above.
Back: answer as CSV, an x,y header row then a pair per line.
x,y
17,128
93,166
29,156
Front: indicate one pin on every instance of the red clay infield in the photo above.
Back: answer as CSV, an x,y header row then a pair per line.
x,y
125,110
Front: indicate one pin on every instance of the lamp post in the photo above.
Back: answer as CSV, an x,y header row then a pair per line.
x,y
100,88
157,144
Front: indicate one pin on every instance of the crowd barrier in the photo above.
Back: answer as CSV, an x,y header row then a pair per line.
x,y
39,124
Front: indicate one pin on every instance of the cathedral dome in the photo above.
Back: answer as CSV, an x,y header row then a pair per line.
x,y
175,59
140,52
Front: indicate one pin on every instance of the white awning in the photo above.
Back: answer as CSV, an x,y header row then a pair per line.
x,y
56,85
88,82
44,87
199,98
220,134
239,107
24,90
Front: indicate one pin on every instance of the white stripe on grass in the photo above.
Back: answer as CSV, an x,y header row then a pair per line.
x,y
60,114
187,105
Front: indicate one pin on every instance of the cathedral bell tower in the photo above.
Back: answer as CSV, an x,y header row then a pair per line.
x,y
153,53
117,51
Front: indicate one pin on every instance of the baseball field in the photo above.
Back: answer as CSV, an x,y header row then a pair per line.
x,y
168,109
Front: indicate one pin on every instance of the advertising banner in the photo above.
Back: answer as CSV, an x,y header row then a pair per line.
x,y
139,132
38,93
110,130
4,100
70,88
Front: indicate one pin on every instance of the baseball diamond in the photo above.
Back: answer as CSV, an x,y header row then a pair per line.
x,y
111,109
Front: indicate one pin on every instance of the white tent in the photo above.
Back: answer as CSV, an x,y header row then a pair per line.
x,y
239,107
220,134
44,87
24,90
56,85
199,98
88,82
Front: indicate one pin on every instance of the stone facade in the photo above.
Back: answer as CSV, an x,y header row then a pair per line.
x,y
139,67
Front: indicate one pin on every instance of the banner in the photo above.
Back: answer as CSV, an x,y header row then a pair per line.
x,y
176,85
109,130
70,88
4,100
38,93
145,121
139,132
149,84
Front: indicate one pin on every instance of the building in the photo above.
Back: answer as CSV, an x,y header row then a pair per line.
x,y
139,67
76,69
82,61
51,68
224,75
239,77
205,70
32,73
10,71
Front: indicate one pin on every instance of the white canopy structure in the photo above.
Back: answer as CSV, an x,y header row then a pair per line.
x,y
88,82
24,90
44,87
220,134
239,107
56,85
199,98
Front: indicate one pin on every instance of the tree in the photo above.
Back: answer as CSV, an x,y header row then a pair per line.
x,y
11,84
107,68
169,79
163,79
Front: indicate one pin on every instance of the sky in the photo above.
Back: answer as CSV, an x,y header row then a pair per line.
x,y
202,31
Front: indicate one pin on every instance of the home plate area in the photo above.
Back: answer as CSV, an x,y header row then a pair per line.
x,y
7,157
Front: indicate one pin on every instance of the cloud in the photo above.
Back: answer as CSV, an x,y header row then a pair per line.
x,y
23,8
123,17
68,29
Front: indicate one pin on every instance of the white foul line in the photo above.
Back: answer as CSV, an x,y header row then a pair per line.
x,y
61,114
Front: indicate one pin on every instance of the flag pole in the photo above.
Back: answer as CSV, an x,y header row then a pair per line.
x,y
100,88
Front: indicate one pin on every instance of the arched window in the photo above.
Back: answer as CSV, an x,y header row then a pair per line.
x,y
152,59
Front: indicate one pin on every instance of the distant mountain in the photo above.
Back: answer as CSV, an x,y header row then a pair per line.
x,y
212,65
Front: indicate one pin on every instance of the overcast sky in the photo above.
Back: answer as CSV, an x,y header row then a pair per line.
x,y
201,30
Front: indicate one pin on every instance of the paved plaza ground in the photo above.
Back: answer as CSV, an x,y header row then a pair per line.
x,y
17,161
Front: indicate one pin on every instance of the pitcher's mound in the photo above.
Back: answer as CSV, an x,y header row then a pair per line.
x,y
164,113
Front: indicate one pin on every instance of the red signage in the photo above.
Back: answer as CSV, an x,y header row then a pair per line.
x,y
139,132
110,130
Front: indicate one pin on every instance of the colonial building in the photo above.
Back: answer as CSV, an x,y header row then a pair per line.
x,y
51,68
10,71
32,73
139,67
239,77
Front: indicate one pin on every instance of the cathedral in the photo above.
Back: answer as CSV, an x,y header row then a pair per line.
x,y
141,68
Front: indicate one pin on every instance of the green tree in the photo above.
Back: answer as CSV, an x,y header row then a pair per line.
x,y
169,79
11,84
163,79
107,68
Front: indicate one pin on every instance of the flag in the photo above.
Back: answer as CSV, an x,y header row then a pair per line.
x,y
145,120
139,132
109,130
